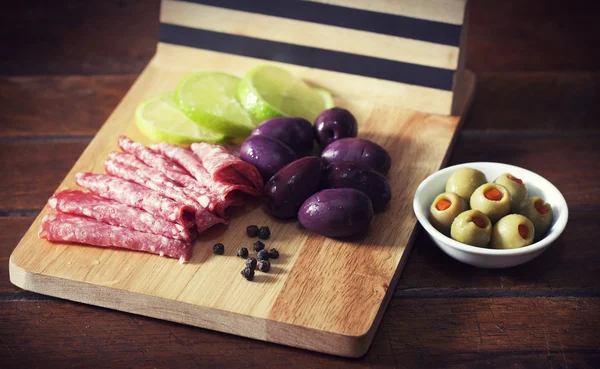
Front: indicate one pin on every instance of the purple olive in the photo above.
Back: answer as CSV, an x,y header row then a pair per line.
x,y
350,174
266,154
359,150
287,189
297,133
333,124
338,212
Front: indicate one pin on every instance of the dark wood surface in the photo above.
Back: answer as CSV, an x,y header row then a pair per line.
x,y
64,68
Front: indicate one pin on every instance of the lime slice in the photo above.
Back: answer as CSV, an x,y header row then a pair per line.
x,y
159,119
208,98
267,91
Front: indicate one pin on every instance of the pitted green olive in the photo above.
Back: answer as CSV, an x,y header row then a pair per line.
x,y
464,181
472,227
540,214
444,209
515,187
491,199
511,232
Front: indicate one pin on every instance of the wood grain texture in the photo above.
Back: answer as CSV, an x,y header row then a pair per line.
x,y
573,175
58,106
536,101
313,275
503,36
440,333
79,105
11,230
31,170
568,268
78,37
539,35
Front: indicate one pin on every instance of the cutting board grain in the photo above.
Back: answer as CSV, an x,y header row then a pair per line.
x,y
321,294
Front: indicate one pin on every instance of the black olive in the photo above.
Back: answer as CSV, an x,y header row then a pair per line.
x,y
252,231
251,263
264,266
248,273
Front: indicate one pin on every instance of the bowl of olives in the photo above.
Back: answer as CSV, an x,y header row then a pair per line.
x,y
490,215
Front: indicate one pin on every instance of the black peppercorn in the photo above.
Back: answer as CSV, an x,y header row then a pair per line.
x,y
264,266
264,233
258,246
219,248
251,263
262,255
248,273
273,254
252,231
242,252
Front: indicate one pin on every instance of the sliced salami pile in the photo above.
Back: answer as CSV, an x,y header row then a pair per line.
x,y
154,199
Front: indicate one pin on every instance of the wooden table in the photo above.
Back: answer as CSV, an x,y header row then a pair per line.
x,y
66,66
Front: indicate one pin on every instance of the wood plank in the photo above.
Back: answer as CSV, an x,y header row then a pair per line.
x,y
568,160
31,170
78,37
438,333
503,36
78,105
11,231
568,268
59,105
195,293
538,101
575,175
534,35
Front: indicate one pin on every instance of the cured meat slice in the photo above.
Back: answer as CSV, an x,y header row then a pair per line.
x,y
225,167
218,203
62,227
154,180
192,164
159,178
138,196
117,214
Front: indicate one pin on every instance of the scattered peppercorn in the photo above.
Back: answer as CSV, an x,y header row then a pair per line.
x,y
248,273
262,255
264,233
252,231
251,263
273,254
258,246
242,252
219,248
264,266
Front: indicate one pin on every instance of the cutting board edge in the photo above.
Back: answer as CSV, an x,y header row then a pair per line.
x,y
204,317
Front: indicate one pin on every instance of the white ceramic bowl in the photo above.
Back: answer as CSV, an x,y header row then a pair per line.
x,y
483,257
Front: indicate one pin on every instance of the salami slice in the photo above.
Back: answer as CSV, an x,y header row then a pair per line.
x,y
153,180
218,202
138,196
62,227
159,178
117,214
225,167
192,164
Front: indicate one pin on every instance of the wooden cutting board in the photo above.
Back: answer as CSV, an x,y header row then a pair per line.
x,y
321,294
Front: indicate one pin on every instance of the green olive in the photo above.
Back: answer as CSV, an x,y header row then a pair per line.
x,y
511,232
464,181
472,227
540,214
491,199
444,209
516,188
